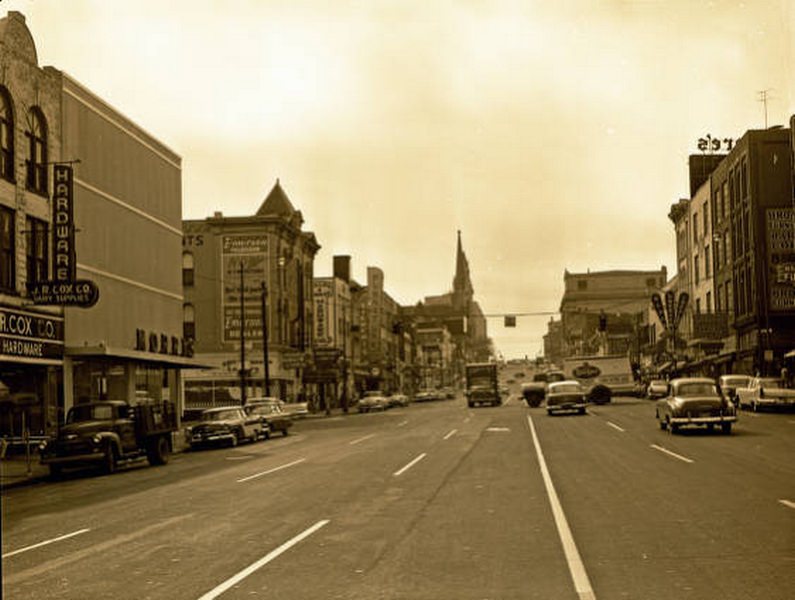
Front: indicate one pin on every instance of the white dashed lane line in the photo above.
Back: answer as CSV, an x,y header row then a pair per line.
x,y
238,577
273,470
673,454
788,503
408,466
46,542
614,426
450,434
361,439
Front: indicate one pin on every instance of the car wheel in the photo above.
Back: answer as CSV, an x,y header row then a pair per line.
x,y
285,432
673,427
663,424
726,428
581,411
754,406
55,471
109,459
158,451
235,439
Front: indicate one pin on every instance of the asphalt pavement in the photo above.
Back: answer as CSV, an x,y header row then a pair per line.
x,y
433,501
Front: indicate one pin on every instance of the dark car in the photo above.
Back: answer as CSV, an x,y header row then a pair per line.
x,y
694,401
565,396
271,414
226,425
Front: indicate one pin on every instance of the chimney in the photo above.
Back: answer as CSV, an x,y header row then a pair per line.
x,y
342,268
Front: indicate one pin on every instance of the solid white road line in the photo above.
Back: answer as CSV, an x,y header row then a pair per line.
x,y
217,591
408,466
273,470
450,434
788,503
402,423
361,439
669,453
44,543
576,567
614,426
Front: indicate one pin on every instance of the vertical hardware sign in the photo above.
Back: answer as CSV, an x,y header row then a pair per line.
x,y
63,225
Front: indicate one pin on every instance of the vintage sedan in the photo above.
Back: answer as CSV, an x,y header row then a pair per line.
x,y
372,400
228,425
565,396
694,401
658,388
271,413
765,392
397,400
728,385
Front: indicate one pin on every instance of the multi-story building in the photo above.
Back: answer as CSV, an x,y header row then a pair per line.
x,y
619,298
118,230
269,258
553,341
754,249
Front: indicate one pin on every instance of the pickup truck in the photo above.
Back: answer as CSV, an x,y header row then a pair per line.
x,y
765,392
110,433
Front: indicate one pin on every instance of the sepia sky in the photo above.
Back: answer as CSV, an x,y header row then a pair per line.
x,y
553,134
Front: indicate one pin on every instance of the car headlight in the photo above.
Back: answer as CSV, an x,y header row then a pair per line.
x,y
42,445
96,439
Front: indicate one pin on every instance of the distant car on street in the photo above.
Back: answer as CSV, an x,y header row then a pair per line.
x,y
765,392
271,413
728,384
396,400
565,396
227,425
694,401
658,388
372,400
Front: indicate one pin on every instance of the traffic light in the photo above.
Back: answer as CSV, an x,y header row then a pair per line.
x,y
510,320
602,322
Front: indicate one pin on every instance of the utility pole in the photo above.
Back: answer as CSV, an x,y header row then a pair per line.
x,y
265,358
763,99
242,340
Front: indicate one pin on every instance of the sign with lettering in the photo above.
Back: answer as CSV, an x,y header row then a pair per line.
x,y
30,335
81,292
780,235
250,251
162,343
681,305
712,144
63,225
324,316
670,308
656,302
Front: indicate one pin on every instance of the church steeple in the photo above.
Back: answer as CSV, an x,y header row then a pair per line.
x,y
462,284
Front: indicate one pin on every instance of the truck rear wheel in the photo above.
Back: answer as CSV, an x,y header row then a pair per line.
x,y
158,451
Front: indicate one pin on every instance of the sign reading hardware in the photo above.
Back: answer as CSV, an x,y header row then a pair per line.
x,y
64,289
28,335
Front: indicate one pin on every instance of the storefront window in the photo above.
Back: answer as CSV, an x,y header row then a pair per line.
x,y
99,379
151,383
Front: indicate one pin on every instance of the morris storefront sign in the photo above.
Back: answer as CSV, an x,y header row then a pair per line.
x,y
30,336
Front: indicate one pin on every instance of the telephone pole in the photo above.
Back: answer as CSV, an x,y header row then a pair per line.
x,y
242,340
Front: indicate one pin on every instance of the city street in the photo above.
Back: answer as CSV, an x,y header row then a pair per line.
x,y
430,501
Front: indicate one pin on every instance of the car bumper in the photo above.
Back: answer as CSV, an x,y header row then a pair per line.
x,y
73,459
566,406
783,402
703,420
198,440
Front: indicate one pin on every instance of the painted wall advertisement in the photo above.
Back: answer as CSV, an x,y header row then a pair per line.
x,y
250,251
780,228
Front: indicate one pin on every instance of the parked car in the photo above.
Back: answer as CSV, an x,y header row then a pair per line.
x,y
564,396
765,392
372,400
728,384
427,395
694,401
297,410
271,413
658,388
228,425
397,400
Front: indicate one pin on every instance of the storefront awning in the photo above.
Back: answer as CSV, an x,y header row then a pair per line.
x,y
167,361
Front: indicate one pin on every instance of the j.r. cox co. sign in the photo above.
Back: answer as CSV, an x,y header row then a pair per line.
x,y
29,335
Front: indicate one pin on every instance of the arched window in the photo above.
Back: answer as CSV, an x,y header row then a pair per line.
x,y
187,268
188,322
37,152
6,135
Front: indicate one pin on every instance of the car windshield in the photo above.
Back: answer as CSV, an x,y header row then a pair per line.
x,y
90,412
736,380
697,388
221,415
555,377
264,409
770,382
